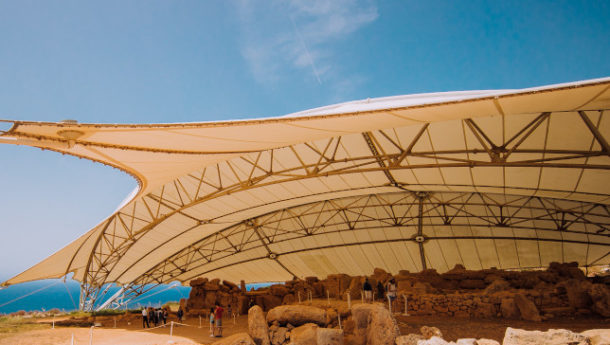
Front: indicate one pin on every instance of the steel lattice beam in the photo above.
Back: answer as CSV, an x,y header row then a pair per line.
x,y
123,230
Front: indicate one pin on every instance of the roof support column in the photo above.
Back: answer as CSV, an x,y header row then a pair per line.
x,y
88,296
420,238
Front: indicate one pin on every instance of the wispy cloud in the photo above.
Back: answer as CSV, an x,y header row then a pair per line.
x,y
298,35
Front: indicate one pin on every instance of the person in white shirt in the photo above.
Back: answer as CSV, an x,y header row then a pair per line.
x,y
145,323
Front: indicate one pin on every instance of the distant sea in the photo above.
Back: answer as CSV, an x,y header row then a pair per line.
x,y
49,294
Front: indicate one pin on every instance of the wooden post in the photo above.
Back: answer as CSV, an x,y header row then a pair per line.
x,y
91,335
406,306
349,300
362,295
299,295
171,328
328,297
199,321
339,317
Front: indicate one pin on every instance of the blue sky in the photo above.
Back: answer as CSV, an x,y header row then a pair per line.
x,y
176,61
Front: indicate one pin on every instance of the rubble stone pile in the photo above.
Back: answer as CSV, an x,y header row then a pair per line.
x,y
561,289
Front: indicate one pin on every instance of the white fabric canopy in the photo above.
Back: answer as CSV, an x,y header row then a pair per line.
x,y
510,179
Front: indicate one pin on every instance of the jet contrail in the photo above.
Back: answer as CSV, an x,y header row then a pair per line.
x,y
313,66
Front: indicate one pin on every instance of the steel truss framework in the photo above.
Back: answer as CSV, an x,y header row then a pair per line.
x,y
404,213
389,153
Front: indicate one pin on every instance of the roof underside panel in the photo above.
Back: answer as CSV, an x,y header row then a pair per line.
x,y
507,179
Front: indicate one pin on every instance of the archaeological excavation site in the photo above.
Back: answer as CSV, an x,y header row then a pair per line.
x,y
473,217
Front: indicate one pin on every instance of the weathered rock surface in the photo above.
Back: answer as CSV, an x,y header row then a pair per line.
x,y
236,339
600,296
297,315
409,339
257,326
278,335
374,323
329,336
466,341
484,341
509,309
527,308
433,341
429,332
514,336
497,286
598,336
306,334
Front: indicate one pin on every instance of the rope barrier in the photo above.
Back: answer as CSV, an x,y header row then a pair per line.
x,y
165,325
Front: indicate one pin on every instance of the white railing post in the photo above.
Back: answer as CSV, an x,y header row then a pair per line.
x,y
328,297
299,295
349,300
406,306
199,321
339,317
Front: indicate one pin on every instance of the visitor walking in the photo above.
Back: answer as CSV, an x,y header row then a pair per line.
x,y
160,315
211,317
180,314
153,315
145,323
368,291
380,291
218,319
391,293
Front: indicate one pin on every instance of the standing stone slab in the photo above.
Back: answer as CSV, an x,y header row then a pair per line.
x,y
527,308
509,309
297,315
257,326
374,323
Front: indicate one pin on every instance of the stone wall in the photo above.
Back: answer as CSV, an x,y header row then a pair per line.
x,y
561,289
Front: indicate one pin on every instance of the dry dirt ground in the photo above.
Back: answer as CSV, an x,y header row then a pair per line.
x,y
131,332
63,336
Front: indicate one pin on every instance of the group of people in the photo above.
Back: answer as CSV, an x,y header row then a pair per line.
x,y
388,291
216,320
154,316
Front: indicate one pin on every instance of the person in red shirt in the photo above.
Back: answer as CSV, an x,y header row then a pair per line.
x,y
218,319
